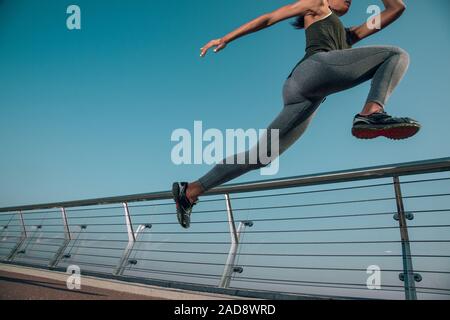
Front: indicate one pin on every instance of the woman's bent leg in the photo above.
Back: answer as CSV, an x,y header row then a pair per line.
x,y
344,69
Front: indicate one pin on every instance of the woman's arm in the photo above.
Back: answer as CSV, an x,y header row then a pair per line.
x,y
300,7
393,10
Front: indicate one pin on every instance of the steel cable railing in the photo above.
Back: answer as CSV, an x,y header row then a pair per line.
x,y
154,251
241,198
262,231
272,219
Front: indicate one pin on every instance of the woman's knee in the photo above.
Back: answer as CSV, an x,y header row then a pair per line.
x,y
401,53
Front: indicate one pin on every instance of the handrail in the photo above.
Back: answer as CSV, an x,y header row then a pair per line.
x,y
367,173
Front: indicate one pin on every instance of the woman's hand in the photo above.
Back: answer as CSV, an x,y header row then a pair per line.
x,y
218,43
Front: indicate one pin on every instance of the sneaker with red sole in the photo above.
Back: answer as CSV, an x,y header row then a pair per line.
x,y
381,124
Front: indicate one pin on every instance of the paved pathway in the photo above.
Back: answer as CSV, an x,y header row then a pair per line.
x,y
15,286
22,283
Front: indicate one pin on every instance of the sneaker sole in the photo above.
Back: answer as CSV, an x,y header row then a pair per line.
x,y
175,193
394,132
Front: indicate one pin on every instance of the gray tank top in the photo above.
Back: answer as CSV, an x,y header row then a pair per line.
x,y
326,35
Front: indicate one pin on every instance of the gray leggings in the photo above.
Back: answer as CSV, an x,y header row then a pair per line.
x,y
305,89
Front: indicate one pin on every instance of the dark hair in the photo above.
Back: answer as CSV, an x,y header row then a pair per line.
x,y
299,22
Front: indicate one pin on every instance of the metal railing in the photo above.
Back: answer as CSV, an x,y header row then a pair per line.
x,y
138,238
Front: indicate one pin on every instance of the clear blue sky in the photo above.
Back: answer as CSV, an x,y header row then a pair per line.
x,y
90,113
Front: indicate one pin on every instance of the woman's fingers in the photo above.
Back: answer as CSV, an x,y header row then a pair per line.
x,y
218,43
220,47
205,49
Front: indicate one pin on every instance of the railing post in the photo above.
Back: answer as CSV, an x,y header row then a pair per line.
x,y
131,240
408,275
140,230
22,239
235,235
125,260
37,229
67,238
68,255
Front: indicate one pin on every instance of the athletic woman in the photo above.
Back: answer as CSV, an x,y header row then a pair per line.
x,y
329,66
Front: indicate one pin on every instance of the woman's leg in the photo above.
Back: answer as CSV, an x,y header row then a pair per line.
x,y
292,122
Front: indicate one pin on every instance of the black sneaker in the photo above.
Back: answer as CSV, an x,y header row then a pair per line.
x,y
381,124
184,205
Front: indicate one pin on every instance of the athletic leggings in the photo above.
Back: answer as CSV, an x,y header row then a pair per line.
x,y
306,88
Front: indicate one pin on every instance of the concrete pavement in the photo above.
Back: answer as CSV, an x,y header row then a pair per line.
x,y
23,283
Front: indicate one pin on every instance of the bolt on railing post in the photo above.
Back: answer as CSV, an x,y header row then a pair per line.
x,y
67,238
235,238
408,272
23,237
131,240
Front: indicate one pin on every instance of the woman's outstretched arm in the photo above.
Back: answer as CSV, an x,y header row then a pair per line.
x,y
300,7
393,10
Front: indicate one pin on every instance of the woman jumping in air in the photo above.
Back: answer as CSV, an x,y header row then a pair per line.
x,y
329,66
